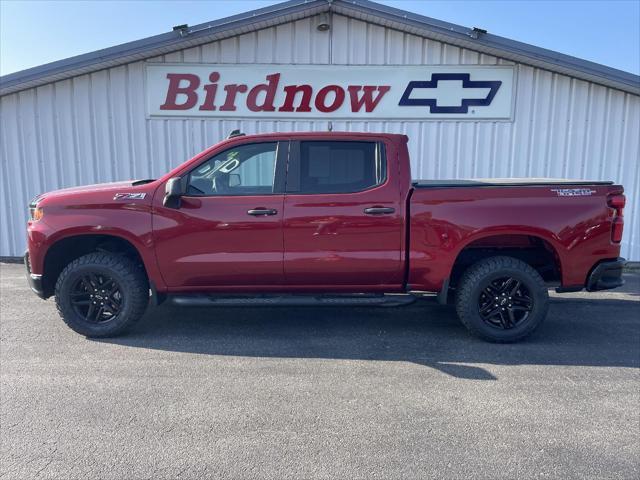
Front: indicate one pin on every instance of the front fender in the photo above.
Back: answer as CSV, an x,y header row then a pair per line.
x,y
126,222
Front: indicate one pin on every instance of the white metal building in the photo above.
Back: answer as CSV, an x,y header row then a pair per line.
x,y
100,117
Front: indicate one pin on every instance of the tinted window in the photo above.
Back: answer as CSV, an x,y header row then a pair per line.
x,y
242,170
340,167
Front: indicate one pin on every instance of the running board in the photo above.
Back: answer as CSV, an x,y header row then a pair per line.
x,y
283,300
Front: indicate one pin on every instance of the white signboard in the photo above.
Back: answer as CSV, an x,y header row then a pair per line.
x,y
330,91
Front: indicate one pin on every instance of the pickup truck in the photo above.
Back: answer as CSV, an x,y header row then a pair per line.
x,y
321,219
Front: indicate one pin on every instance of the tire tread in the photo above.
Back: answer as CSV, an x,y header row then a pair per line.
x,y
137,287
474,274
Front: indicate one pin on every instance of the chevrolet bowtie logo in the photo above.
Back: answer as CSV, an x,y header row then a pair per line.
x,y
456,103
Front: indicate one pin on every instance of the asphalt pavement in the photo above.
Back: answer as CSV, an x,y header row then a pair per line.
x,y
340,393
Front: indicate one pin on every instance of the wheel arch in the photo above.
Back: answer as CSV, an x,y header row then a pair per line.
x,y
67,248
538,250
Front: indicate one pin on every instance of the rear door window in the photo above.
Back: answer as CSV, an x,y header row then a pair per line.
x,y
337,167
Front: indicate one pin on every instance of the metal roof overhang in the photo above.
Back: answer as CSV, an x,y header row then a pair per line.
x,y
297,9
161,44
490,44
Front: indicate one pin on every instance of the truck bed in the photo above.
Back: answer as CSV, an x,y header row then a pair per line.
x,y
503,182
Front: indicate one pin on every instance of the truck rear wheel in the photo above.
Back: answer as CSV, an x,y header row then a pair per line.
x,y
502,299
101,294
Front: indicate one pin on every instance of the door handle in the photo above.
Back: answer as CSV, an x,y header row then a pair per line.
x,y
257,212
379,210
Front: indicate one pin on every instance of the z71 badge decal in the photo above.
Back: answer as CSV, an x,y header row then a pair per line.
x,y
573,192
129,196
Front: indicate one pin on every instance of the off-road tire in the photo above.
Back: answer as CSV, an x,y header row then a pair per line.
x,y
126,273
478,276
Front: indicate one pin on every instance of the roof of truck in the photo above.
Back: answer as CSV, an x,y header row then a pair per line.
x,y
321,135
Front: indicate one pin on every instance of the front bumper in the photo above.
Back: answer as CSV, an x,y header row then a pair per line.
x,y
606,275
34,280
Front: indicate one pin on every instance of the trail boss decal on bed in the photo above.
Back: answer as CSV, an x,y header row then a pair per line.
x,y
360,92
573,192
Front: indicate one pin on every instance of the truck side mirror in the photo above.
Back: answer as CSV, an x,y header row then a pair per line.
x,y
173,191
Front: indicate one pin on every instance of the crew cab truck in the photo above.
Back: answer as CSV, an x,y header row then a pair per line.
x,y
321,218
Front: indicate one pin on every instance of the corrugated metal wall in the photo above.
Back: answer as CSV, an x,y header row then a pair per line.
x,y
92,128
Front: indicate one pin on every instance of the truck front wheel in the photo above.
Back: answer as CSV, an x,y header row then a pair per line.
x,y
101,294
502,299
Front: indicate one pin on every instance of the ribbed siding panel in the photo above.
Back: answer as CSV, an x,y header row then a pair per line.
x,y
93,129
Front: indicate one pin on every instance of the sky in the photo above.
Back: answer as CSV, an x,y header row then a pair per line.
x,y
36,32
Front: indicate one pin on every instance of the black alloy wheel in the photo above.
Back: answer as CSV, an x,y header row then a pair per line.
x,y
501,299
102,294
505,303
97,297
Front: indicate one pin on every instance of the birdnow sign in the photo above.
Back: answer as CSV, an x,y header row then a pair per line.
x,y
330,91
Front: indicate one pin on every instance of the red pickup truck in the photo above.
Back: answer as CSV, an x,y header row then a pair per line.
x,y
321,219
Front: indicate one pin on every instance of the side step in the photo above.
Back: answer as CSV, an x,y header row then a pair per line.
x,y
284,300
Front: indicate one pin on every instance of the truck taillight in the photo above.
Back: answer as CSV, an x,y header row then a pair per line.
x,y
617,202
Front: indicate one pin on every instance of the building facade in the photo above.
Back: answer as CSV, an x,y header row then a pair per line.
x,y
100,117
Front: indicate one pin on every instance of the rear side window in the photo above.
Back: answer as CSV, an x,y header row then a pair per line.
x,y
339,167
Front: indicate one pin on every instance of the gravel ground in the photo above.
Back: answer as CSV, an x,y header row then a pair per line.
x,y
298,393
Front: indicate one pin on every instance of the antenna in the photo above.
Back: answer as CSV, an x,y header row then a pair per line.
x,y
235,133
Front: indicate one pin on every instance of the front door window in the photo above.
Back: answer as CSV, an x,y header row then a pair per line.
x,y
242,170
